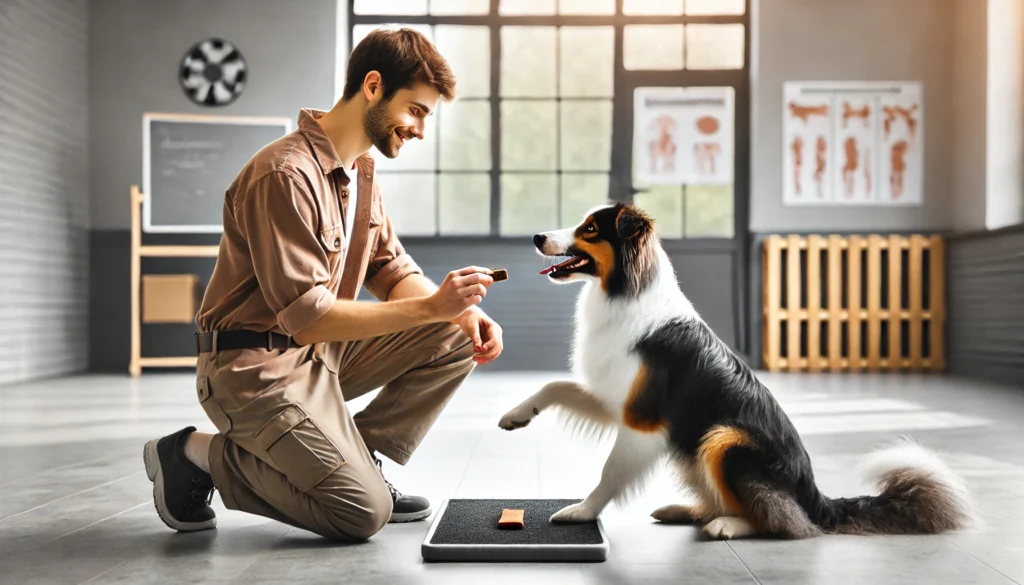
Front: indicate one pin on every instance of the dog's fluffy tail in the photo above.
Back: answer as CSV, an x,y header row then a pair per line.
x,y
919,494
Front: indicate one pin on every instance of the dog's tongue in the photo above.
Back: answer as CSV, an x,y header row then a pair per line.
x,y
548,270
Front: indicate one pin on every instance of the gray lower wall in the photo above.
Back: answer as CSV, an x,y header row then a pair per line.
x,y
986,306
536,316
44,188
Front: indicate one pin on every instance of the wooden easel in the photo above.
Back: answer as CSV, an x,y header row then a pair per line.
x,y
138,252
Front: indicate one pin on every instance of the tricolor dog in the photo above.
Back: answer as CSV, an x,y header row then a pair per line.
x,y
651,370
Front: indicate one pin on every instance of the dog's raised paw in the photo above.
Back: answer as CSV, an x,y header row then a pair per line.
x,y
726,527
517,418
574,513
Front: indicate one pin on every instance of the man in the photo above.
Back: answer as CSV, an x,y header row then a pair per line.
x,y
282,342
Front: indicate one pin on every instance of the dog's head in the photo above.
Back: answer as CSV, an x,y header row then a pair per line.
x,y
614,246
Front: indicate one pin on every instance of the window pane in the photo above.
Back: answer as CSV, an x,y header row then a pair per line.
x,y
586,6
465,204
715,6
529,134
468,51
411,201
460,7
586,137
665,204
586,61
465,135
652,6
709,211
580,194
415,155
529,203
390,7
528,61
653,46
527,7
714,46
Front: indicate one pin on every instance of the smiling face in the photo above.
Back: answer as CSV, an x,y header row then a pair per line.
x,y
613,246
390,124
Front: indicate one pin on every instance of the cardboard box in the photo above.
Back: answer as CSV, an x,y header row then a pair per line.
x,y
169,298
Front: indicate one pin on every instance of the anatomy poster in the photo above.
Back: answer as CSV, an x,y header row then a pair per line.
x,y
683,136
852,143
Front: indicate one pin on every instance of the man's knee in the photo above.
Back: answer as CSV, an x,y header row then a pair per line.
x,y
359,517
454,346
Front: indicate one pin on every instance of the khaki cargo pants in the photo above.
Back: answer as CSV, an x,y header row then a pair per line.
x,y
289,450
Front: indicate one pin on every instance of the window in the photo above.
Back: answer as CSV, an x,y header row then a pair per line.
x,y
531,142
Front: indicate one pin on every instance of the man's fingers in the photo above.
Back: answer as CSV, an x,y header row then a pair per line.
x,y
473,289
471,269
474,278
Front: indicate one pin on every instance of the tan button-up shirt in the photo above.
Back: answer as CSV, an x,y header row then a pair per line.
x,y
280,261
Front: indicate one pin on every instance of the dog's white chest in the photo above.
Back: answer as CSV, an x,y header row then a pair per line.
x,y
603,355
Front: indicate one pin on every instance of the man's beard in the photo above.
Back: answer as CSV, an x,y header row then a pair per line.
x,y
380,129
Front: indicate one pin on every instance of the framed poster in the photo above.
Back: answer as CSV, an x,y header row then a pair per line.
x,y
683,135
852,143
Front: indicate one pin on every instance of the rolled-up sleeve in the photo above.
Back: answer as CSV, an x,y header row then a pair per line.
x,y
390,262
278,218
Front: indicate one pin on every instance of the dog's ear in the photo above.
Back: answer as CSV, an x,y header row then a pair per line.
x,y
631,222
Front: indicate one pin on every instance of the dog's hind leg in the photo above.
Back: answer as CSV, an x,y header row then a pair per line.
x,y
570,397
767,508
632,459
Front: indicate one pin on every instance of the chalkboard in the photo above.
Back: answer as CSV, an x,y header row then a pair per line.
x,y
189,161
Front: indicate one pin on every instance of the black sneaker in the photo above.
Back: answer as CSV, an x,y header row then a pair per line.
x,y
406,508
181,491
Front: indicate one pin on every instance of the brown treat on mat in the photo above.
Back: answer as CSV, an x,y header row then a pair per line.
x,y
500,274
511,519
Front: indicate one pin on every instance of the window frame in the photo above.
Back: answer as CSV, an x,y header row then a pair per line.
x,y
622,104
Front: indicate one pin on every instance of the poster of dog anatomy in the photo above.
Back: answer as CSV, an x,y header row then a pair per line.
x,y
852,143
683,136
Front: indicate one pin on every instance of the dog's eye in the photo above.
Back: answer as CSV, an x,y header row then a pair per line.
x,y
591,228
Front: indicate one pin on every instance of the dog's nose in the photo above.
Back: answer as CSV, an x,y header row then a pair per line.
x,y
538,240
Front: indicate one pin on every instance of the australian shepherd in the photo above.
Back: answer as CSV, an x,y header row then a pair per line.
x,y
650,369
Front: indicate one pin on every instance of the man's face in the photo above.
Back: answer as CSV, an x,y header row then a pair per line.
x,y
391,124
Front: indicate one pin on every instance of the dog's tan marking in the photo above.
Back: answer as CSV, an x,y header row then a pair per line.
x,y
711,454
630,416
603,256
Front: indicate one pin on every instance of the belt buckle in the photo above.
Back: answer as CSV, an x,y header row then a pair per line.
x,y
213,340
270,341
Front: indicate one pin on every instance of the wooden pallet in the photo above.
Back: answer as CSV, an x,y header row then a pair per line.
x,y
854,303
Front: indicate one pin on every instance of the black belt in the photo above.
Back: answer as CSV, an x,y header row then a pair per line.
x,y
214,341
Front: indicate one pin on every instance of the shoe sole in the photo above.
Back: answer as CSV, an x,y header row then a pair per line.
x,y
409,516
155,471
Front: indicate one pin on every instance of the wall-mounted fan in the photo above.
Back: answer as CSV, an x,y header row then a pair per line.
x,y
213,73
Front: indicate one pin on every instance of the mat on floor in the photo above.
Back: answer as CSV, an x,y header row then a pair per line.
x,y
466,530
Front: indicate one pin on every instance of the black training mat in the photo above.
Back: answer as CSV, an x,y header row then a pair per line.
x,y
467,530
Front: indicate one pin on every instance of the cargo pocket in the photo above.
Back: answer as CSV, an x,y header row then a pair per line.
x,y
299,448
214,411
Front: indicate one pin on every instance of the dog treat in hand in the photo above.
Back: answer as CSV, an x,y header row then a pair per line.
x,y
500,274
511,519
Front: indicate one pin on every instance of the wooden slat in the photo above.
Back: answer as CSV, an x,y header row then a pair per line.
x,y
835,297
772,263
855,247
134,365
179,251
793,284
937,266
874,290
813,283
914,265
895,301
167,362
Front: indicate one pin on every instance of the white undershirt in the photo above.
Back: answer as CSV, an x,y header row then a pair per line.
x,y
350,215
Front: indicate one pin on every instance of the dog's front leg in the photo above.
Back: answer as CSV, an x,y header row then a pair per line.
x,y
565,394
627,468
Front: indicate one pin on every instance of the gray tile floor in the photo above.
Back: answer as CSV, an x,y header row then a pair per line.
x,y
75,505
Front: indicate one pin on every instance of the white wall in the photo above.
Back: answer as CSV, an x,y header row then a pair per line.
x,y
1005,109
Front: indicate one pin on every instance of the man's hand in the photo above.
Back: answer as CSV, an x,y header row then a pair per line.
x,y
485,333
460,290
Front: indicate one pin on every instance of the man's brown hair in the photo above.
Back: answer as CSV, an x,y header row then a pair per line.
x,y
402,57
